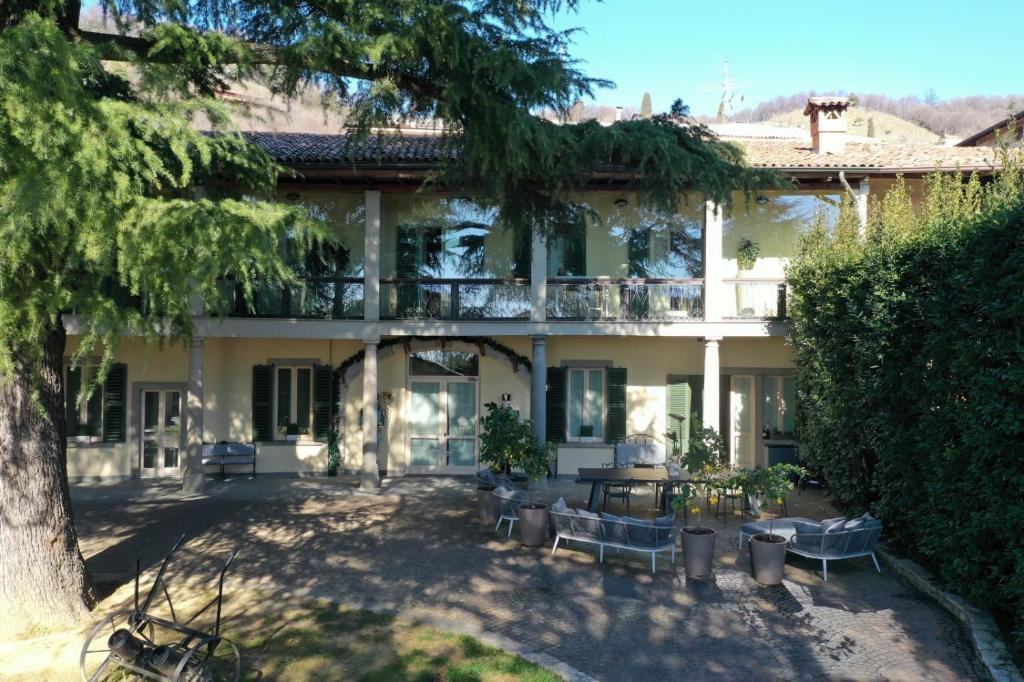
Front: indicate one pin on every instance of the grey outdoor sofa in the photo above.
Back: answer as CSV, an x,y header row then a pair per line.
x,y
848,539
635,535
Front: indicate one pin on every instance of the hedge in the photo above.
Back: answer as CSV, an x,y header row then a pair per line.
x,y
909,348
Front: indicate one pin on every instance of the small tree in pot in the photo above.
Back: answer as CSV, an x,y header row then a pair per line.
x,y
333,452
508,442
768,550
702,459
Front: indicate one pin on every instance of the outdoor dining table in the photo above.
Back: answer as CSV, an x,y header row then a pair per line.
x,y
597,477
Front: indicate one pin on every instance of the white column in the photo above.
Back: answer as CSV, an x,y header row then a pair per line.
x,y
861,196
538,278
711,382
369,478
371,259
538,387
193,477
713,288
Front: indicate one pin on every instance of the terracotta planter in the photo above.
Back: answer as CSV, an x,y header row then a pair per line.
x,y
488,504
698,550
767,558
533,524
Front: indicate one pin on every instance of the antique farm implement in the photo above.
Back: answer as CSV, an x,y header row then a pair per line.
x,y
136,644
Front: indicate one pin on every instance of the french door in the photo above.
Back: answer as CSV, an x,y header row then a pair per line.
x,y
443,425
161,433
742,424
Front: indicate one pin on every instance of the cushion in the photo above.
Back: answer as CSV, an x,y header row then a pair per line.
x,y
806,527
560,506
610,517
870,521
835,527
665,521
635,520
583,513
854,524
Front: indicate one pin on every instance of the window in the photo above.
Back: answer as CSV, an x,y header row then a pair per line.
x,y
778,401
293,399
586,404
84,419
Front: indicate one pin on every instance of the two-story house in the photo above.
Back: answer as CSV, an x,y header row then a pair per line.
x,y
623,324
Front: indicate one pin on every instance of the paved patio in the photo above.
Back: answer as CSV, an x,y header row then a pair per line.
x,y
419,548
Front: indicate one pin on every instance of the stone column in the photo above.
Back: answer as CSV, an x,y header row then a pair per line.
x,y
538,279
711,382
538,387
371,259
193,476
713,287
861,195
369,478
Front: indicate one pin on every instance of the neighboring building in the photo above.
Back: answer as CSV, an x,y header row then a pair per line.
x,y
431,310
1007,131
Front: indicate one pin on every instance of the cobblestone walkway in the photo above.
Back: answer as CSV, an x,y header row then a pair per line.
x,y
418,547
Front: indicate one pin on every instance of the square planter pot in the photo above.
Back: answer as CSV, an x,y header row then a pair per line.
x,y
533,524
698,550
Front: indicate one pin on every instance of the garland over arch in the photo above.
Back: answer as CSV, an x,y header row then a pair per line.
x,y
481,342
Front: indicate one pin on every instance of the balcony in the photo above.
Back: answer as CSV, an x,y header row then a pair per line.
x,y
635,300
454,299
754,299
313,298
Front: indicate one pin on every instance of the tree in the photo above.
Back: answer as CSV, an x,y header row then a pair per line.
x,y
108,195
871,126
646,109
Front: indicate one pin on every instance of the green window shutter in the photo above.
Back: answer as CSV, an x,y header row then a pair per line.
x,y
523,252
71,391
697,401
115,392
615,429
407,267
322,401
576,251
94,409
555,404
679,402
639,252
262,404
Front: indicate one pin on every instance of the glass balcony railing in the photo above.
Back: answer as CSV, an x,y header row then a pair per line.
x,y
625,300
455,299
320,298
754,299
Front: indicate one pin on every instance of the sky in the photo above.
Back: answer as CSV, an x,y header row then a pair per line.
x,y
671,48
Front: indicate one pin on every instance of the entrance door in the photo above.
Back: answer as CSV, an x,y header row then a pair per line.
x,y
161,433
742,420
442,425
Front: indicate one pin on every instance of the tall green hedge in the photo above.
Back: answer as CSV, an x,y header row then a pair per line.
x,y
909,347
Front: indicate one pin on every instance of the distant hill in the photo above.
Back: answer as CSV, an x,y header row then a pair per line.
x,y
887,128
960,116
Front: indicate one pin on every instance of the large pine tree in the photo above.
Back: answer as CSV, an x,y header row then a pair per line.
x,y
107,191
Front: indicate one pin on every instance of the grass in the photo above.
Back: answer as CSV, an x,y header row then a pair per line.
x,y
322,641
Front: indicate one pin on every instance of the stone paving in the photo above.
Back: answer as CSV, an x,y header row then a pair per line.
x,y
419,548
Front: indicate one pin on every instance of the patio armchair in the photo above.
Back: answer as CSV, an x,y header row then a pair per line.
x,y
509,501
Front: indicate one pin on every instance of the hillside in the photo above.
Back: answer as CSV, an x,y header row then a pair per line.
x,y
887,128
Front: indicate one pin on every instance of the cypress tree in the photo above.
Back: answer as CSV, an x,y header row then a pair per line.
x,y
646,110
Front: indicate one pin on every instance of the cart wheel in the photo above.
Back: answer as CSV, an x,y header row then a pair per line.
x,y
99,661
209,659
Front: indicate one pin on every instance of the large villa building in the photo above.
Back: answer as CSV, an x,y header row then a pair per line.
x,y
627,324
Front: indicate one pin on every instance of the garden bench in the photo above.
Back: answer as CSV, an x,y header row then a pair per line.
x,y
224,454
806,538
632,534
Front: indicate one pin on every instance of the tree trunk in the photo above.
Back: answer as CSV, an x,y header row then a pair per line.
x,y
43,581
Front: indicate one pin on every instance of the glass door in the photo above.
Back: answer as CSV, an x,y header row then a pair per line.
x,y
442,425
741,423
161,434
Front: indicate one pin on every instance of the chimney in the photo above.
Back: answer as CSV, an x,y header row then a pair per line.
x,y
618,113
828,123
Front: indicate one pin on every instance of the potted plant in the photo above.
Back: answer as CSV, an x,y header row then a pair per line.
x,y
83,434
767,550
333,452
508,442
292,432
703,457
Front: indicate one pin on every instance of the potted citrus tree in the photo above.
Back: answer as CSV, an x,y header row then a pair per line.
x,y
703,458
768,550
507,442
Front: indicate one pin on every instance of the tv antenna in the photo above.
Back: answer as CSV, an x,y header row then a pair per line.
x,y
727,86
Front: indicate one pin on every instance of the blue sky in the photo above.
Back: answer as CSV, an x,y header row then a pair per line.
x,y
897,47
